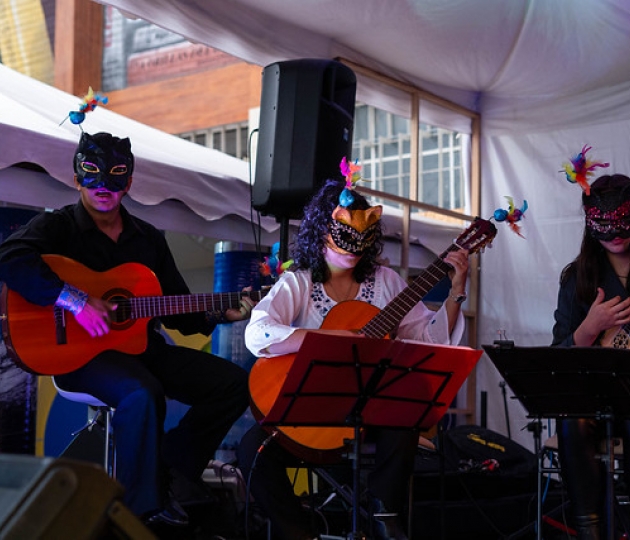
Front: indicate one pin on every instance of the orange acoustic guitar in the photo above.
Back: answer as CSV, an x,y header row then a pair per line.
x,y
48,340
267,377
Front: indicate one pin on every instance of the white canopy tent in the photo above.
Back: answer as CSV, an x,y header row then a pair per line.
x,y
547,78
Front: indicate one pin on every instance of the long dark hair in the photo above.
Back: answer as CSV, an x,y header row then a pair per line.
x,y
310,241
589,267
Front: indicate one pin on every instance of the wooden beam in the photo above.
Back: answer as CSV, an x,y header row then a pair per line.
x,y
78,46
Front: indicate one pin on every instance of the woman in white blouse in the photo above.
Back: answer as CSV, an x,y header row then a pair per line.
x,y
335,259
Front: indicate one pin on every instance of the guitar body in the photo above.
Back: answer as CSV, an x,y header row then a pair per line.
x,y
267,377
30,332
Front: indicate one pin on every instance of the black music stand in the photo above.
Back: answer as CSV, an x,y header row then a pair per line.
x,y
563,382
338,381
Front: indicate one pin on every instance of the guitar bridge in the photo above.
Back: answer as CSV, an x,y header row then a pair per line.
x,y
60,325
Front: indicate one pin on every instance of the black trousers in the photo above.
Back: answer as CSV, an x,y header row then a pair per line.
x,y
137,386
272,489
583,472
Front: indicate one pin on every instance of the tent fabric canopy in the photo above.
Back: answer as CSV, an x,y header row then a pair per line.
x,y
546,78
459,49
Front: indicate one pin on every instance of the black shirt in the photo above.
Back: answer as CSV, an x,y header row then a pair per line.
x,y
71,232
570,312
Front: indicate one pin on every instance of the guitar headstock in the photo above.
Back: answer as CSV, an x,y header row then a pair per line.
x,y
480,233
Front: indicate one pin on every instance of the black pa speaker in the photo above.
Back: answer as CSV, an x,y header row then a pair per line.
x,y
50,499
306,120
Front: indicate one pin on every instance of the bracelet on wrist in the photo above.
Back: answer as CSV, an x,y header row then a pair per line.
x,y
458,298
72,299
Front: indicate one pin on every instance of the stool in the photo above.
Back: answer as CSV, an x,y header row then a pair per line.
x,y
102,409
548,464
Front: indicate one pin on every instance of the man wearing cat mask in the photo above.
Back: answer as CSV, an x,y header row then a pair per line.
x,y
101,234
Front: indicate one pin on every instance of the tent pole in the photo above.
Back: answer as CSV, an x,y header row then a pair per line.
x,y
283,255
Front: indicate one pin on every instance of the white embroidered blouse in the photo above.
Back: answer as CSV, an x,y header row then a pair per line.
x,y
295,302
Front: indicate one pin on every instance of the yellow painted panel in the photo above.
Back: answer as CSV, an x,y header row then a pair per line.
x,y
194,341
46,393
24,41
299,479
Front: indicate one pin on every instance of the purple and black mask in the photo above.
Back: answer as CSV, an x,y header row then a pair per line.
x,y
607,208
102,160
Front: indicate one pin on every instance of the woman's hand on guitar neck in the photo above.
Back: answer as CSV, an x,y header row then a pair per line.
x,y
458,260
602,315
95,317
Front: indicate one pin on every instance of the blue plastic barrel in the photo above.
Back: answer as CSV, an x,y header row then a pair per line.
x,y
235,266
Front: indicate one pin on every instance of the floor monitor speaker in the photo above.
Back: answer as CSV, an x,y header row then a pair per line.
x,y
306,121
47,498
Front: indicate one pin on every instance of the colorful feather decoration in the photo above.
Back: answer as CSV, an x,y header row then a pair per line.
x,y
580,169
352,174
273,266
90,101
512,215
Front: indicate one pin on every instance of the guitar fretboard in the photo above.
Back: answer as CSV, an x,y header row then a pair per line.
x,y
391,315
155,306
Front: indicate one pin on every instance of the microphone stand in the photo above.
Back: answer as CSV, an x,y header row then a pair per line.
x,y
505,409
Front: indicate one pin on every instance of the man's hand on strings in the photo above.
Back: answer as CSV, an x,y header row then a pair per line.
x,y
244,311
95,317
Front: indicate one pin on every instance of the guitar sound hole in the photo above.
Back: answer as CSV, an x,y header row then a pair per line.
x,y
121,316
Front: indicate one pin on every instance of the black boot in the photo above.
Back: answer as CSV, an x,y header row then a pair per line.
x,y
587,527
582,472
385,524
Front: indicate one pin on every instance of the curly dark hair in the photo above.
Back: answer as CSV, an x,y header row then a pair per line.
x,y
310,241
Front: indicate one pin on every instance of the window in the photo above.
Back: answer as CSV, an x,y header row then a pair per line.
x,y
382,145
440,175
231,139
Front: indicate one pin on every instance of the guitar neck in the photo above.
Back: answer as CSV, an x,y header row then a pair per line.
x,y
156,306
391,315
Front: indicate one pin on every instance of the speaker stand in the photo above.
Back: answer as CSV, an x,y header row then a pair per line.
x,y
283,254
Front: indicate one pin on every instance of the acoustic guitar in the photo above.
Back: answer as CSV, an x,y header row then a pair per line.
x,y
267,376
48,340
